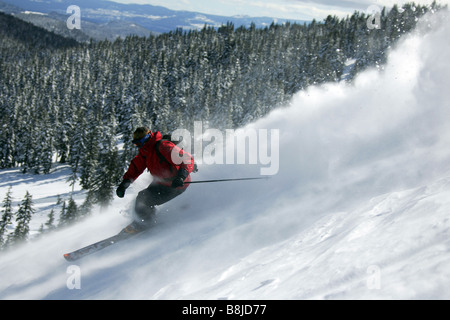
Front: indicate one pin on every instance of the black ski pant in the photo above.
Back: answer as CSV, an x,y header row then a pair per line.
x,y
155,195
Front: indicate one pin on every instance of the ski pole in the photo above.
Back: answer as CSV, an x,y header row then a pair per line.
x,y
226,180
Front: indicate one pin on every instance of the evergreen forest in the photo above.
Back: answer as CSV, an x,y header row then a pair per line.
x,y
62,101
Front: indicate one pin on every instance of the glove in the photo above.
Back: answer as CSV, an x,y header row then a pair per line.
x,y
122,187
177,182
179,179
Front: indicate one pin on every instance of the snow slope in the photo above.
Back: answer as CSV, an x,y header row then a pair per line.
x,y
359,209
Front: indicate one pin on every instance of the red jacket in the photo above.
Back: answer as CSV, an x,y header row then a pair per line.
x,y
161,166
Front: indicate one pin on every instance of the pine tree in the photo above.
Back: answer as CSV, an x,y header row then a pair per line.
x,y
6,217
106,177
71,211
51,220
62,215
86,206
23,218
108,171
77,149
89,159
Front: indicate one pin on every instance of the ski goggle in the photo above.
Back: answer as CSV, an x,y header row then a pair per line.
x,y
140,142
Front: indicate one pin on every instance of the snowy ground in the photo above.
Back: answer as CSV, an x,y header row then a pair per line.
x,y
359,209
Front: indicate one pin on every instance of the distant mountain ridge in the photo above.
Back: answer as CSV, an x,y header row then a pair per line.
x,y
19,37
105,19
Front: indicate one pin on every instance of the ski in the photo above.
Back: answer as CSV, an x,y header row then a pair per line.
x,y
127,232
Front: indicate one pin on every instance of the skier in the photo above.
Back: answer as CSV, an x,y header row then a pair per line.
x,y
170,167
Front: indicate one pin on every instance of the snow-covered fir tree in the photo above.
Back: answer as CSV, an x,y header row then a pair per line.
x,y
6,217
23,218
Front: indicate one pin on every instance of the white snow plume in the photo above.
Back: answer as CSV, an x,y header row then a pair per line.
x,y
359,208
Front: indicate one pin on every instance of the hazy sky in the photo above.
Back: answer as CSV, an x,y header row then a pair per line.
x,y
290,9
